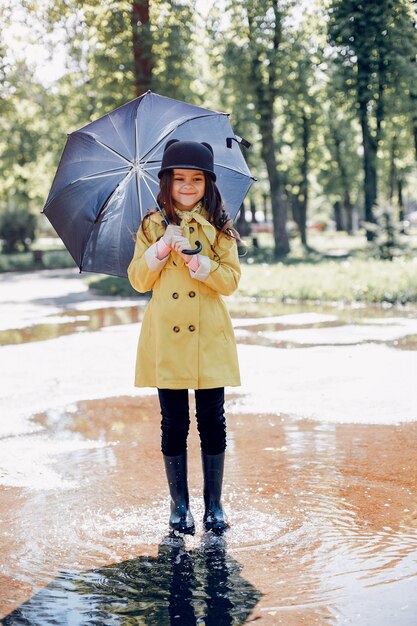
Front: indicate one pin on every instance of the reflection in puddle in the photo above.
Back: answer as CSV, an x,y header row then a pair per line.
x,y
287,326
73,322
406,343
201,586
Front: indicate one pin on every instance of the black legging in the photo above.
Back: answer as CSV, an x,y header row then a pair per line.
x,y
175,424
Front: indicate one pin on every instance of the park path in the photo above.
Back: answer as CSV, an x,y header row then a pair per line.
x,y
320,480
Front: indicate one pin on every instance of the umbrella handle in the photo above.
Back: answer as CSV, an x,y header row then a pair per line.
x,y
196,250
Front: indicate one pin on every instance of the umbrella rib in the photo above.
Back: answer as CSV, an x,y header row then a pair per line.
x,y
117,132
151,192
89,177
139,193
231,169
154,167
110,149
107,173
136,138
149,175
156,201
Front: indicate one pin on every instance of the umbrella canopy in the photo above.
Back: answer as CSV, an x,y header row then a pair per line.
x,y
107,176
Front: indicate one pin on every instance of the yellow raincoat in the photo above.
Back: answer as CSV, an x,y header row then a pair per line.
x,y
187,339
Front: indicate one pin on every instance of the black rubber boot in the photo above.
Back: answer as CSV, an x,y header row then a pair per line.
x,y
180,519
214,517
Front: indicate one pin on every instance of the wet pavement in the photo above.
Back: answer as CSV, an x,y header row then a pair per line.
x,y
320,479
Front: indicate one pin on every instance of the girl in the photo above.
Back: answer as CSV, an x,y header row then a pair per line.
x,y
187,341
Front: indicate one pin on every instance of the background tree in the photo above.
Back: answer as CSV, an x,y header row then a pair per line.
x,y
265,40
102,73
253,43
229,90
302,102
313,103
340,171
374,39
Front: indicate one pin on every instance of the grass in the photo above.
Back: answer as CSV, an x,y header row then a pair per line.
x,y
337,268
52,259
112,286
351,280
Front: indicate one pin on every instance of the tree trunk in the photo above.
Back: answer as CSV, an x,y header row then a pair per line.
x,y
294,201
347,205
265,201
253,211
242,225
278,205
265,96
369,163
304,183
392,169
337,208
401,212
142,46
415,139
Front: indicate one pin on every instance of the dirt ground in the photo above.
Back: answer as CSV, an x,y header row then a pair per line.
x,y
320,478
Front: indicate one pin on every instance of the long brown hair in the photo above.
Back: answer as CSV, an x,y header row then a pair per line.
x,y
212,202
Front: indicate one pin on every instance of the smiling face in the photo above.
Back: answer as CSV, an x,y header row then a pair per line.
x,y
187,188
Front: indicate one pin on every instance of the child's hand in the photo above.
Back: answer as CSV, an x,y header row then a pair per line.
x,y
180,243
172,231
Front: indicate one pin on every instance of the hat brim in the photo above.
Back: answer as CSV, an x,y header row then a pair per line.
x,y
186,167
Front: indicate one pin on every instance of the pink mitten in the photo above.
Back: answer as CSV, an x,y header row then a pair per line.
x,y
193,264
162,249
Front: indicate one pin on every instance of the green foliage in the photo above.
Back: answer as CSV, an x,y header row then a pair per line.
x,y
376,44
17,230
352,280
367,280
175,45
26,261
24,140
386,232
113,286
339,172
100,41
315,85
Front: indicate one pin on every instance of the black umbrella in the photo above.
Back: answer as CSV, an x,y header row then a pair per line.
x,y
107,176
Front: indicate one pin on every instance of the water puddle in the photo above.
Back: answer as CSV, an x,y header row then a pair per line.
x,y
323,513
176,586
71,322
324,326
287,326
323,523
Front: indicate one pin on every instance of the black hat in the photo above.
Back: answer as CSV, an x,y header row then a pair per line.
x,y
188,155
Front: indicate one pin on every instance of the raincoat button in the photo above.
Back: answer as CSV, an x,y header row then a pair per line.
x,y
175,295
176,329
192,294
191,229
191,328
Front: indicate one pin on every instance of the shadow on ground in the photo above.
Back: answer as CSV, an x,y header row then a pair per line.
x,y
186,588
